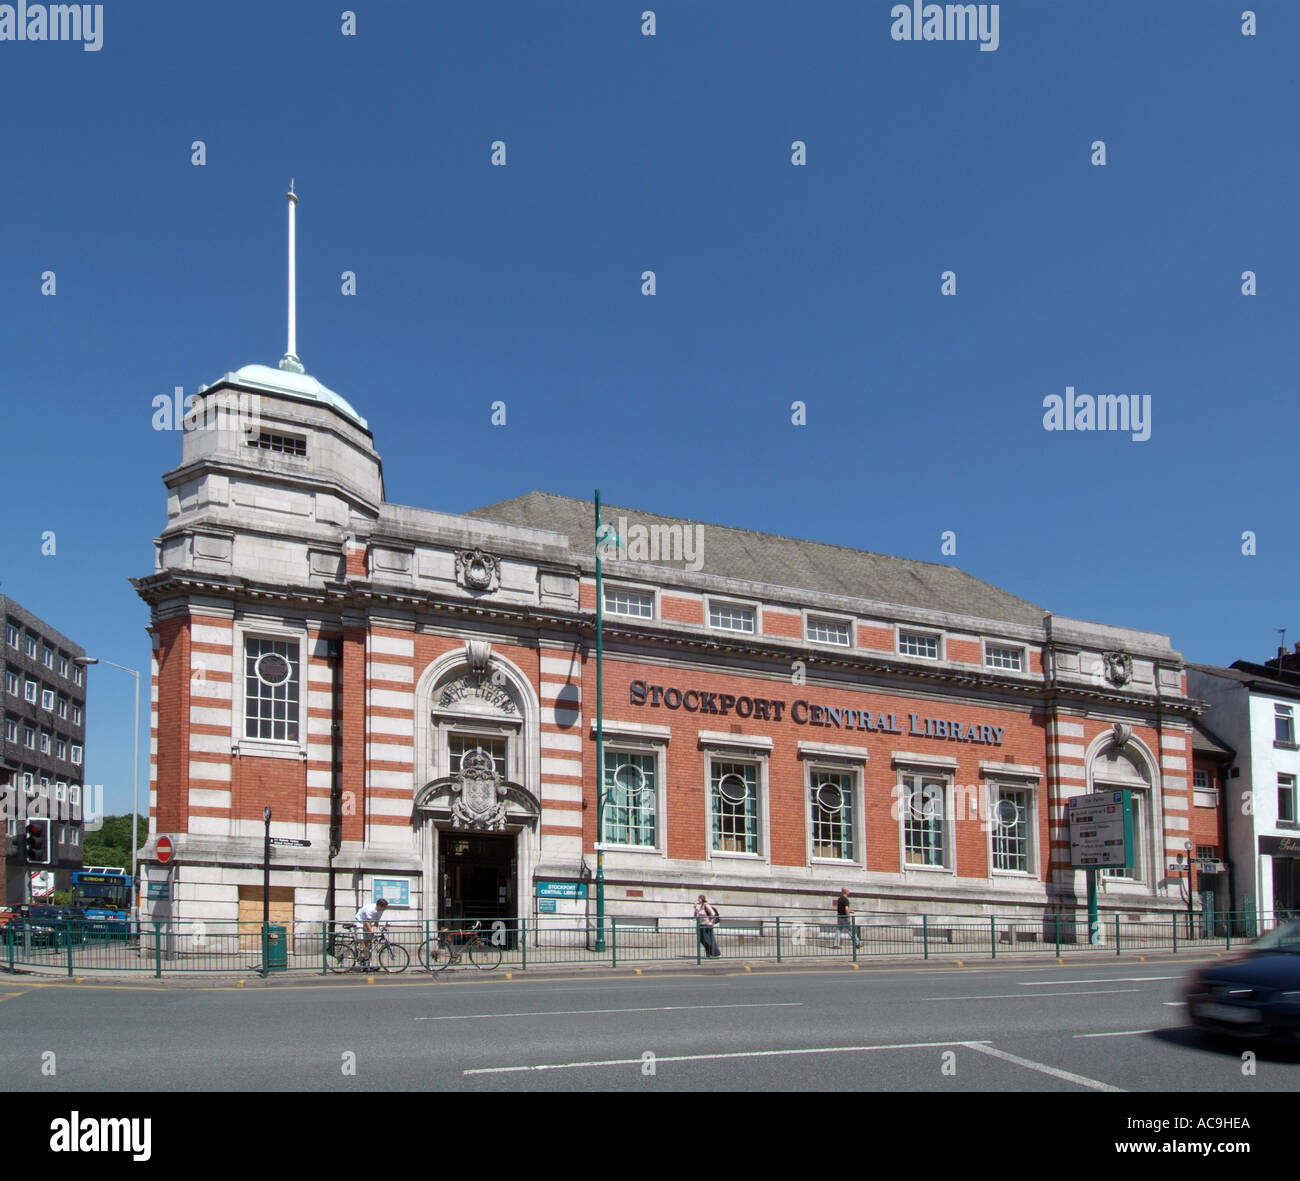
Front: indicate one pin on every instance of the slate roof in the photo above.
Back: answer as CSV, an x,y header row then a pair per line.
x,y
1206,742
783,561
1258,680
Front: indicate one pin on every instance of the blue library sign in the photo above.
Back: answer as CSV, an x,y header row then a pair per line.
x,y
561,889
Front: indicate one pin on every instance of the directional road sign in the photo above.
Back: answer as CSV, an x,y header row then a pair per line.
x,y
1101,830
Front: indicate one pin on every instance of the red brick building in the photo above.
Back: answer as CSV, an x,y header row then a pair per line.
x,y
1212,867
415,693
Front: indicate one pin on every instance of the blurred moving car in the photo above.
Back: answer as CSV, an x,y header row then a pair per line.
x,y
1255,994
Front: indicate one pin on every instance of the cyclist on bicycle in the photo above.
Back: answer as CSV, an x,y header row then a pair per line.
x,y
368,923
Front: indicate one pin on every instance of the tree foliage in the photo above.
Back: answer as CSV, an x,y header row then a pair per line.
x,y
111,845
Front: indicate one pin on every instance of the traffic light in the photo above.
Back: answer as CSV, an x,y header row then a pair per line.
x,y
38,841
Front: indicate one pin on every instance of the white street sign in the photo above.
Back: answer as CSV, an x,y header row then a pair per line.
x,y
1101,830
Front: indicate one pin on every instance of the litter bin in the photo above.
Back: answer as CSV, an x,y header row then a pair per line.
x,y
277,949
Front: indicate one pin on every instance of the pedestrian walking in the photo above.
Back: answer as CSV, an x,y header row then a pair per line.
x,y
706,916
843,918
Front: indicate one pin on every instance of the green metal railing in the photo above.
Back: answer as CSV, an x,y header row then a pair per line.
x,y
165,948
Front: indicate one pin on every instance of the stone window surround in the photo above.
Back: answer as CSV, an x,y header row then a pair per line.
x,y
1148,819
245,629
659,752
813,618
717,748
815,765
608,587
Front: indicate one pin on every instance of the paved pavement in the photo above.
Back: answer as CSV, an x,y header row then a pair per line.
x,y
55,968
1024,1026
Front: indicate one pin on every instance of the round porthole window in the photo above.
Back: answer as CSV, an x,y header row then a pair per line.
x,y
1006,813
628,786
272,669
733,789
830,798
926,803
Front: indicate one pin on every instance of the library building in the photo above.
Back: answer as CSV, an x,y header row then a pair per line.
x,y
413,696
414,693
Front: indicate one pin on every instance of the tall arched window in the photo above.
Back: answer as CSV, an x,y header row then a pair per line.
x,y
474,710
1117,767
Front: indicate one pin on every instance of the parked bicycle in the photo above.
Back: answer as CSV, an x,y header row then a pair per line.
x,y
439,952
350,952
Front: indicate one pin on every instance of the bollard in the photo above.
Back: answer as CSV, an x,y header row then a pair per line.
x,y
1117,934
1174,922
925,936
993,937
69,950
157,949
778,939
613,943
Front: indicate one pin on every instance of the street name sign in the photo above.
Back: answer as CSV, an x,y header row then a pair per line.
x,y
289,841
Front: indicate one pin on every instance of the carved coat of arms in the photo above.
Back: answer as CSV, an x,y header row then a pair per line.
x,y
477,570
1119,668
478,795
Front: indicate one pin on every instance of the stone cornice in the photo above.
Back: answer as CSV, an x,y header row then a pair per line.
x,y
364,596
308,481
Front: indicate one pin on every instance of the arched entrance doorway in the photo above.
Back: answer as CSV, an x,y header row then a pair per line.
x,y
481,826
477,810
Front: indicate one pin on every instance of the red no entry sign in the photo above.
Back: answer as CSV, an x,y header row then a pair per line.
x,y
164,849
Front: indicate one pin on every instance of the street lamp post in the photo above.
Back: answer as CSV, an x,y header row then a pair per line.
x,y
600,742
135,772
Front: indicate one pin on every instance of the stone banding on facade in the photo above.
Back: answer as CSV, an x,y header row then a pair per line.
x,y
421,644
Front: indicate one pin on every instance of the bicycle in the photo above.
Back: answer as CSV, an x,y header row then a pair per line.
x,y
437,954
343,956
351,951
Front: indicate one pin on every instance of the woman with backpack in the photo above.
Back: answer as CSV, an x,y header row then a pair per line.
x,y
706,917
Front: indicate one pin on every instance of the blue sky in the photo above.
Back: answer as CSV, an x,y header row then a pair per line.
x,y
775,283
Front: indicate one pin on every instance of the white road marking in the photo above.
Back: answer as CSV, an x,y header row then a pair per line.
x,y
586,1012
1107,980
1025,996
576,983
1123,1033
716,1057
1175,1004
1029,1064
